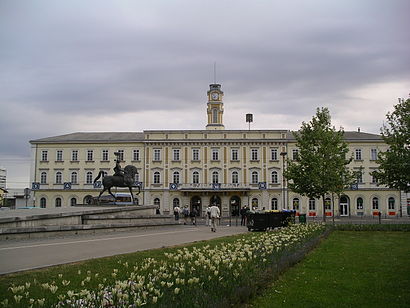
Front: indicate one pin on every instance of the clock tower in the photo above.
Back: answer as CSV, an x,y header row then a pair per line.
x,y
215,108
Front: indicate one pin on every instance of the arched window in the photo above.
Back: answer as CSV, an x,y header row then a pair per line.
x,y
89,177
359,203
59,177
235,177
255,177
157,178
255,203
175,202
375,203
195,177
73,201
391,202
74,177
58,202
215,177
274,204
88,199
43,202
43,177
157,202
312,205
274,177
295,204
176,177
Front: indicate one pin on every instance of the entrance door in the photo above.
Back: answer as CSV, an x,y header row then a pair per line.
x,y
235,204
196,204
344,206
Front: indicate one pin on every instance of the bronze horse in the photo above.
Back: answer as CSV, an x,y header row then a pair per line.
x,y
128,180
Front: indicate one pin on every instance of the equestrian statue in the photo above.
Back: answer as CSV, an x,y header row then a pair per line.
x,y
121,178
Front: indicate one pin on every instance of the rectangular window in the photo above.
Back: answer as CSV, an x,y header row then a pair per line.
x,y
359,175
234,154
74,155
373,154
175,155
358,154
44,155
374,179
274,154
136,155
254,154
90,155
215,154
295,154
120,155
59,155
312,204
157,155
105,155
195,154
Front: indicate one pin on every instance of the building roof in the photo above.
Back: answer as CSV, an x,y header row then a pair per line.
x,y
99,137
350,136
106,137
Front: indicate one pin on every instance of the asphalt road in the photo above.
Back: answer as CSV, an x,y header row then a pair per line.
x,y
24,255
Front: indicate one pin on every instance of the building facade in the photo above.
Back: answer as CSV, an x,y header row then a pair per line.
x,y
3,178
195,168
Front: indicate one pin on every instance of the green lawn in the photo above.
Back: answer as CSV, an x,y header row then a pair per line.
x,y
349,269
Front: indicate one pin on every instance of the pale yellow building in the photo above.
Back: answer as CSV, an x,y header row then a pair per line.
x,y
194,168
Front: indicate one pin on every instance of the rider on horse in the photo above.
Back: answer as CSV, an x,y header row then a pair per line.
x,y
118,171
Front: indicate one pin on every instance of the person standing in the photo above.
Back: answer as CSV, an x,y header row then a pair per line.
x,y
177,210
243,216
215,212
185,212
208,216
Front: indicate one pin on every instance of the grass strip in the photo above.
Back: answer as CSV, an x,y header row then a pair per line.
x,y
349,269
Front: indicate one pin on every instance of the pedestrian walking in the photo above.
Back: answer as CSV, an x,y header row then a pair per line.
x,y
215,213
193,215
185,212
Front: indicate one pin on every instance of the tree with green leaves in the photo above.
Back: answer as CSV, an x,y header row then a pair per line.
x,y
322,164
394,164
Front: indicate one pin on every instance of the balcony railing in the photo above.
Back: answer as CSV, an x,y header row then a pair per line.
x,y
210,186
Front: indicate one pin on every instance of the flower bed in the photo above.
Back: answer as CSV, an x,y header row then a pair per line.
x,y
206,276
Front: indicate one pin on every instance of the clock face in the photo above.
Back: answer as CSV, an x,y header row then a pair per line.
x,y
215,95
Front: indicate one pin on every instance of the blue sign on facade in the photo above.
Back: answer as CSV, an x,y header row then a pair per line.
x,y
173,186
97,184
355,186
216,186
262,185
138,184
35,186
67,185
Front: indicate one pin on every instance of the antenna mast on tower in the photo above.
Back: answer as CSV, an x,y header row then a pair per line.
x,y
214,72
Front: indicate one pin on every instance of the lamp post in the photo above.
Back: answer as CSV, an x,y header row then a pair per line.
x,y
283,154
249,119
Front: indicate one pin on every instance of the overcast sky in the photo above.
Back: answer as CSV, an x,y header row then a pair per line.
x,y
78,65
